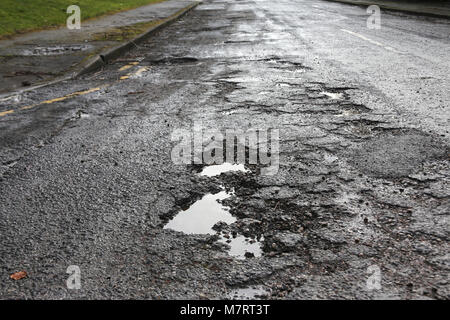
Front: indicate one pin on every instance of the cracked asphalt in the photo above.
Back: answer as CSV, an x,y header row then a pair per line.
x,y
87,179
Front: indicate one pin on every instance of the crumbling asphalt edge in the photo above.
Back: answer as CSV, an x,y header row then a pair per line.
x,y
103,58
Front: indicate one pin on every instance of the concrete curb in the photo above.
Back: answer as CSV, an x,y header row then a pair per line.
x,y
103,58
399,8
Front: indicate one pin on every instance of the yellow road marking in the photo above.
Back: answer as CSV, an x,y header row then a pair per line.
x,y
4,113
81,93
74,94
128,66
140,71
27,107
55,100
137,73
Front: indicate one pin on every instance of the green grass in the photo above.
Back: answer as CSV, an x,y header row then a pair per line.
x,y
18,16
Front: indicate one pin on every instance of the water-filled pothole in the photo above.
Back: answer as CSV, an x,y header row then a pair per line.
x,y
249,293
333,95
215,170
54,50
202,215
242,247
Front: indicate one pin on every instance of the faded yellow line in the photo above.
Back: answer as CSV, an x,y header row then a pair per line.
x,y
28,107
140,71
54,100
74,94
81,93
4,113
70,95
137,73
128,66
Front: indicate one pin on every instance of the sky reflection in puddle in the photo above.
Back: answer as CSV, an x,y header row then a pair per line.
x,y
240,245
202,215
215,170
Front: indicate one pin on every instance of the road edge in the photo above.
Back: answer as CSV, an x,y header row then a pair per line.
x,y
104,57
398,9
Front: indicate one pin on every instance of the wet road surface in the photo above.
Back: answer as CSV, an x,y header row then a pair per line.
x,y
87,179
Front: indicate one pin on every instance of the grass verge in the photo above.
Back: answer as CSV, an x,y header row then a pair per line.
x,y
19,16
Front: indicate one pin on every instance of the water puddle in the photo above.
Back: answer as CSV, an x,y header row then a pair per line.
x,y
242,246
80,114
215,170
228,113
174,60
202,215
249,293
333,95
54,50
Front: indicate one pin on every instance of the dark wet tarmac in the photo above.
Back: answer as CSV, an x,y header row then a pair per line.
x,y
87,179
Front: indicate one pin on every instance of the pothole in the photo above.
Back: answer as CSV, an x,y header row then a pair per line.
x,y
248,293
202,215
174,60
333,95
54,50
242,247
216,170
287,65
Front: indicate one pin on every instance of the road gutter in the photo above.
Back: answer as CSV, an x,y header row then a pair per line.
x,y
104,57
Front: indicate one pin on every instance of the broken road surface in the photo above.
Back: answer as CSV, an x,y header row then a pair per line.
x,y
362,187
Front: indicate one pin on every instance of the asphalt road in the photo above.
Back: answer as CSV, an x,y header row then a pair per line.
x,y
358,208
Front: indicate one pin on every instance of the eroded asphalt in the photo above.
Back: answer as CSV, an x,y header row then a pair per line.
x,y
87,178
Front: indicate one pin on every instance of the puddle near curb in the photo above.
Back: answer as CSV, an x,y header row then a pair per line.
x,y
333,95
202,215
215,170
54,50
248,293
241,245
